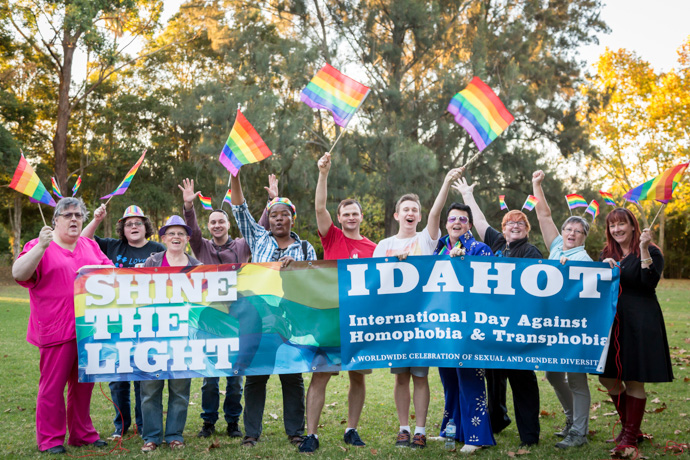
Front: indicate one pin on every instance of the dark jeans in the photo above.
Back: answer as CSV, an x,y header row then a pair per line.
x,y
210,399
525,389
119,392
255,400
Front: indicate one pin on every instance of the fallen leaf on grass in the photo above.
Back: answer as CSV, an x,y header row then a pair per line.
x,y
412,416
274,416
682,415
8,410
593,417
545,413
596,406
321,425
20,409
660,409
609,414
343,449
686,379
519,452
656,400
343,422
333,404
374,452
687,340
214,445
678,432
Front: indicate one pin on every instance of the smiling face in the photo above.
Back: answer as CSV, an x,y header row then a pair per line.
x,y
350,217
458,224
280,220
135,231
175,239
408,216
218,226
515,228
573,235
622,232
69,223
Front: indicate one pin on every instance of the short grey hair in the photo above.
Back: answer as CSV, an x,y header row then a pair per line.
x,y
577,220
70,202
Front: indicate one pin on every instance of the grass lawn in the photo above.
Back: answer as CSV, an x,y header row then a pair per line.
x,y
667,416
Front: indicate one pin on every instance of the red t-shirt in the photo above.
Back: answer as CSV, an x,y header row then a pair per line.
x,y
337,246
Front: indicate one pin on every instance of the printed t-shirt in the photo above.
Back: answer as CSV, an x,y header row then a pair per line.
x,y
419,245
125,256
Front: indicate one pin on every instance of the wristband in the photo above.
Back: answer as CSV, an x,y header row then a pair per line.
x,y
647,261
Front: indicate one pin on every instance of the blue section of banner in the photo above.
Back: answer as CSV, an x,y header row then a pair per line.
x,y
476,312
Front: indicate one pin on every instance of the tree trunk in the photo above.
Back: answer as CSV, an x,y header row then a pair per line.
x,y
64,110
16,223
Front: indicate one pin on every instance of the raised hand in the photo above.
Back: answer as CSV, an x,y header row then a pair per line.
x,y
454,174
272,188
188,193
45,237
325,163
538,177
461,186
645,239
100,213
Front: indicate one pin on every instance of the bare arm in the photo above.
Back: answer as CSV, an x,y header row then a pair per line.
x,y
467,192
236,186
323,217
434,222
548,228
98,215
24,268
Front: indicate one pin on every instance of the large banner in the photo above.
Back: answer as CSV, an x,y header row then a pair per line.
x,y
476,312
255,319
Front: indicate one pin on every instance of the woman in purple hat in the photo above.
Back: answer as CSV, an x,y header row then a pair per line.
x,y
175,236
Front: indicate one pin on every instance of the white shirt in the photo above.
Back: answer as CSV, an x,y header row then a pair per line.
x,y
419,245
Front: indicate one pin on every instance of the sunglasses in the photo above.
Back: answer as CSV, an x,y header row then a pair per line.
x,y
461,219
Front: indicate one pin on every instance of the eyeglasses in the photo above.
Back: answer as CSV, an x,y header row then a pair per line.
x,y
137,223
70,215
521,224
572,230
177,234
461,219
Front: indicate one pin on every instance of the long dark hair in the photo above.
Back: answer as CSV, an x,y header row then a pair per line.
x,y
612,249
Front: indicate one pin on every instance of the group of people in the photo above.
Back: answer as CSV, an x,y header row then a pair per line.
x,y
475,399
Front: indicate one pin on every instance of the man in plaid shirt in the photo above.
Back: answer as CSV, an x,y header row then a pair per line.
x,y
279,244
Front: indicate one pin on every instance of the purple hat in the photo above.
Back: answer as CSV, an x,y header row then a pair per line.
x,y
174,221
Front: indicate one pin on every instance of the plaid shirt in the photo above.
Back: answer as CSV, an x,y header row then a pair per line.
x,y
261,241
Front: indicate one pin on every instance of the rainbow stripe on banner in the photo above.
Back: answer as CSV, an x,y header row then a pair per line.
x,y
77,184
660,188
122,188
56,189
576,201
477,109
26,181
608,198
244,146
228,197
502,201
530,202
593,209
205,202
335,91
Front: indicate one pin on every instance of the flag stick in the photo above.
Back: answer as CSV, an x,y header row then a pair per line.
x,y
336,140
106,203
473,159
42,216
657,215
569,208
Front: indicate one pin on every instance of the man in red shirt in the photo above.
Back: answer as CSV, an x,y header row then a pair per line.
x,y
337,244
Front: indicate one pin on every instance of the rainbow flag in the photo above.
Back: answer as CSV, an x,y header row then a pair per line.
x,y
477,109
26,181
228,197
334,91
660,188
530,202
205,202
608,198
502,201
576,201
77,184
122,188
244,146
593,209
56,189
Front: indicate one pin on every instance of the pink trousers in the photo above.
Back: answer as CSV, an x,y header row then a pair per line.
x,y
59,368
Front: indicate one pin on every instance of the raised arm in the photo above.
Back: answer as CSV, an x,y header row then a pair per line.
x,y
98,215
25,266
548,228
188,193
467,192
236,187
433,224
323,217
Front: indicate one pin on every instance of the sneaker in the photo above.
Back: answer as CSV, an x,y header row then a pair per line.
x,y
564,432
469,449
309,445
352,438
418,441
207,430
234,430
572,440
403,439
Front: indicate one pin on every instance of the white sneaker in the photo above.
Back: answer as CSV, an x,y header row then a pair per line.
x,y
469,449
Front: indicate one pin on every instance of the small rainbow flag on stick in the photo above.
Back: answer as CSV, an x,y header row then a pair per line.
x,y
530,202
660,188
502,201
56,189
477,109
228,197
122,188
77,184
26,181
335,91
244,146
593,209
205,202
608,198
576,201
